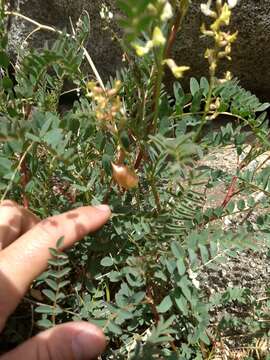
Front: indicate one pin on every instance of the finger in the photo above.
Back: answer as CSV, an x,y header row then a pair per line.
x,y
71,341
14,221
23,260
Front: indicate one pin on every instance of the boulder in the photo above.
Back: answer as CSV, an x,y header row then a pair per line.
x,y
104,50
251,52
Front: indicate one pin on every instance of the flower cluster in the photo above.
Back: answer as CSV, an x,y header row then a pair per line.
x,y
223,40
107,103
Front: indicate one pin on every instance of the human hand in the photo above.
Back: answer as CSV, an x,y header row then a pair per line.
x,y
24,253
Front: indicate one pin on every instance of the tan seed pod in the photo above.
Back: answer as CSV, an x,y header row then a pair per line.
x,y
124,176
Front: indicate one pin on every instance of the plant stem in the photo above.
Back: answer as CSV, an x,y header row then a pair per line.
x,y
157,89
206,109
176,26
230,192
150,300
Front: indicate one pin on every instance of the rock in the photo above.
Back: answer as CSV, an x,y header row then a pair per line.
x,y
250,53
104,51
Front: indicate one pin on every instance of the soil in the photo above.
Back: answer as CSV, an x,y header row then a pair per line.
x,y
249,269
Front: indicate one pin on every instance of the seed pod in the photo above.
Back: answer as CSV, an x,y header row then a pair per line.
x,y
124,176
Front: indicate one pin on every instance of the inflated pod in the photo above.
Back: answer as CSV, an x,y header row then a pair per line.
x,y
124,176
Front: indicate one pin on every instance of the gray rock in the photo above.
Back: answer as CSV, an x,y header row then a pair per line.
x,y
251,53
104,51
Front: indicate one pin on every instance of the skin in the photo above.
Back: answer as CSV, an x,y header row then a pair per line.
x,y
24,243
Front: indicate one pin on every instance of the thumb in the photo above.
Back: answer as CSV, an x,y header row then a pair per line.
x,y
70,341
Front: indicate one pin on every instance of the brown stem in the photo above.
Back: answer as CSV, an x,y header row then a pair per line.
x,y
230,192
150,300
172,34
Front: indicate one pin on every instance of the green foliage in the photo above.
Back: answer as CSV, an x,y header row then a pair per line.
x,y
56,280
142,276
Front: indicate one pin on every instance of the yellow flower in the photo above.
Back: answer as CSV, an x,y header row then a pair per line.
x,y
205,9
158,37
177,71
223,19
142,50
167,12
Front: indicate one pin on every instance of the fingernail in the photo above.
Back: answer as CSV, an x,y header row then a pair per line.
x,y
103,207
87,345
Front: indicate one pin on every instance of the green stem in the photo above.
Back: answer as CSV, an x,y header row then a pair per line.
x,y
206,109
157,93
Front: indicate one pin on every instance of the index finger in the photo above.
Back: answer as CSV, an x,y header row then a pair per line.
x,y
26,258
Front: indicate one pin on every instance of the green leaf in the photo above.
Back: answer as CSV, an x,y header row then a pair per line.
x,y
107,261
60,242
7,83
59,274
44,323
182,304
181,266
230,207
241,204
45,309
60,296
5,165
165,305
114,328
63,284
106,163
177,250
204,338
184,285
263,107
125,139
204,85
53,137
4,60
194,86
196,102
50,294
58,262
115,276
53,285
